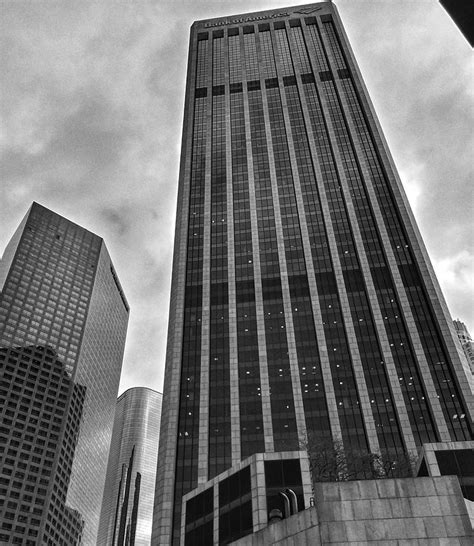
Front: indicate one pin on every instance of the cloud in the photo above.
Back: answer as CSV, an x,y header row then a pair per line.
x,y
412,185
456,280
92,107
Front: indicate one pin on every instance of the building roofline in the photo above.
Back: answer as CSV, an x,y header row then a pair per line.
x,y
137,388
254,16
36,204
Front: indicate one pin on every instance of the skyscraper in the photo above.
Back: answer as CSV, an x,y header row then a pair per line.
x,y
462,331
303,301
63,321
127,508
467,343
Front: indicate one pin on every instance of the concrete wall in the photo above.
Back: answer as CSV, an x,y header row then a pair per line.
x,y
422,511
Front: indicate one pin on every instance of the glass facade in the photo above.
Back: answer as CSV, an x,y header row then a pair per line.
x,y
235,507
63,321
199,515
238,502
303,302
127,506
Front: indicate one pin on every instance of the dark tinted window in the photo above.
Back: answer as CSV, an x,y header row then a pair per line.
x,y
234,487
236,523
280,475
200,506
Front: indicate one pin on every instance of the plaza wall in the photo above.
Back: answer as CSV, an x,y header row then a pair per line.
x,y
388,512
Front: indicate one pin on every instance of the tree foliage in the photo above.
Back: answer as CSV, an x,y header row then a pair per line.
x,y
330,461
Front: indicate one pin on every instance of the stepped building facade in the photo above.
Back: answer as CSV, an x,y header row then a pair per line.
x,y
63,322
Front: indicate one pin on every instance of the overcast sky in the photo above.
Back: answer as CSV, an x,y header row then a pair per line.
x,y
91,109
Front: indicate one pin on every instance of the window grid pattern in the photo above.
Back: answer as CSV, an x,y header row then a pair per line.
x,y
345,388
313,394
319,56
218,61
235,62
59,278
251,61
35,419
409,377
250,404
99,370
408,373
283,414
219,371
300,58
442,374
283,46
312,385
371,357
336,51
267,67
188,421
253,58
49,286
443,377
291,240
65,525
201,66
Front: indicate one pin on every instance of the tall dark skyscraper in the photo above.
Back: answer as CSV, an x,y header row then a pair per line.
x,y
63,322
127,508
303,301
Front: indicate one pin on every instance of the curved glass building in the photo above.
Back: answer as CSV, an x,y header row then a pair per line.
x,y
127,507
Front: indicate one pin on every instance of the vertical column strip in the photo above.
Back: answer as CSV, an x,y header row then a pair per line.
x,y
352,340
215,513
290,334
354,350
440,309
233,348
412,331
166,472
327,377
384,343
313,289
316,309
203,452
262,350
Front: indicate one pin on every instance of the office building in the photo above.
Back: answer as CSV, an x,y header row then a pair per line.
x,y
462,331
424,510
63,322
466,341
127,508
303,303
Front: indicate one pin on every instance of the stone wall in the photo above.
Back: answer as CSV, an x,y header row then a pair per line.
x,y
422,511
